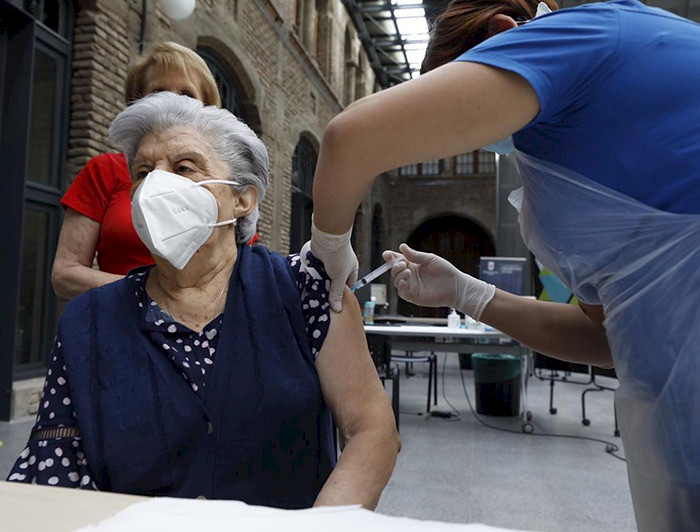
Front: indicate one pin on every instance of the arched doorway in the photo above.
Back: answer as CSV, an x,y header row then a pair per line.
x,y
303,169
378,237
229,87
455,238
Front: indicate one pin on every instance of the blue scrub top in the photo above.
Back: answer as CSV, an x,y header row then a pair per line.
x,y
619,91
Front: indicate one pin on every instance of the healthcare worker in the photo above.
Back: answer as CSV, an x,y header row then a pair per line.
x,y
603,105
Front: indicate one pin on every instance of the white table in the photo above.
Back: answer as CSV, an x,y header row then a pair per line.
x,y
31,508
447,340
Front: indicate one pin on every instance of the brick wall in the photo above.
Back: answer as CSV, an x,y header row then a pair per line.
x,y
289,91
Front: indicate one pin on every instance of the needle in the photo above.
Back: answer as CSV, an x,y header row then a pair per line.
x,y
371,276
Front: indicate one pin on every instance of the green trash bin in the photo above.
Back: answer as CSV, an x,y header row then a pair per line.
x,y
497,384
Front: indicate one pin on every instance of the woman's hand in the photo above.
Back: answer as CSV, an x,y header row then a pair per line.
x,y
338,258
430,281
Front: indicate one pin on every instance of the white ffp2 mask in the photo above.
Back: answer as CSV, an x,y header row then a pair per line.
x,y
175,216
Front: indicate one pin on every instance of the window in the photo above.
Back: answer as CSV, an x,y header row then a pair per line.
x,y
487,162
53,14
39,158
431,167
298,15
478,162
411,169
303,169
36,298
324,37
348,77
360,81
230,95
428,168
464,164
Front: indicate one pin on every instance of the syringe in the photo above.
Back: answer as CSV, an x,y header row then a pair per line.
x,y
371,276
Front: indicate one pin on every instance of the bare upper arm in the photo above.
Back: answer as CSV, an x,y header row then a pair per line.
x,y
78,241
594,312
348,376
454,109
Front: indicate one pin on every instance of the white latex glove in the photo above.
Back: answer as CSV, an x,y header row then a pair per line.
x,y
338,258
430,281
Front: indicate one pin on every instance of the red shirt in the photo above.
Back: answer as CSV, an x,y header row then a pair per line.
x,y
101,192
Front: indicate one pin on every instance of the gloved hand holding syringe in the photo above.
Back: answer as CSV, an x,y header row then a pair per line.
x,y
371,276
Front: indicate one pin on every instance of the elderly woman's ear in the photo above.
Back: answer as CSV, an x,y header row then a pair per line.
x,y
245,202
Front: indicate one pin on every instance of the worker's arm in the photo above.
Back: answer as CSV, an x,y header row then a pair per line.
x,y
559,330
455,109
566,332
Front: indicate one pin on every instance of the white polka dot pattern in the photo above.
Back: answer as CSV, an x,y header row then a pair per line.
x,y
62,462
314,299
58,461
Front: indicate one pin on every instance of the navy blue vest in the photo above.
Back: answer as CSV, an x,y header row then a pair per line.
x,y
261,433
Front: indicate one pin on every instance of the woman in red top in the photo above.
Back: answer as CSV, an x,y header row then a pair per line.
x,y
98,206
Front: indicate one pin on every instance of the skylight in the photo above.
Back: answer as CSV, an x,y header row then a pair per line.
x,y
410,18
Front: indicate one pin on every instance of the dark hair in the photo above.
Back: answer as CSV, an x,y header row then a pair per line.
x,y
464,24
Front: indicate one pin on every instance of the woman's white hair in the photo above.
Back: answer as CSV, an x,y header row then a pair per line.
x,y
234,142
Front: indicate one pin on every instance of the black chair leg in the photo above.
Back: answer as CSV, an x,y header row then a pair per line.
x,y
430,385
395,398
584,420
552,410
435,378
617,427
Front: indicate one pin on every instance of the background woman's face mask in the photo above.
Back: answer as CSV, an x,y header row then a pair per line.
x,y
175,216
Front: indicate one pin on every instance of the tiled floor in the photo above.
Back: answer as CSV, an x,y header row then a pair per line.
x,y
461,471
458,470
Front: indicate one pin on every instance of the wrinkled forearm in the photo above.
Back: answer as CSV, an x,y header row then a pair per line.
x,y
363,469
70,281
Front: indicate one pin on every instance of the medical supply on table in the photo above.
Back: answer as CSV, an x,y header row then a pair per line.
x,y
453,320
371,276
368,312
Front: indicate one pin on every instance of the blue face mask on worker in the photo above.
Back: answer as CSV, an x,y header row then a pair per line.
x,y
505,146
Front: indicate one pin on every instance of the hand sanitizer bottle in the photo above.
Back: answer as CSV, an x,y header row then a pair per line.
x,y
368,313
453,319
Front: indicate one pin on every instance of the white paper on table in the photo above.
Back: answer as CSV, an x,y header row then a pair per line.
x,y
188,515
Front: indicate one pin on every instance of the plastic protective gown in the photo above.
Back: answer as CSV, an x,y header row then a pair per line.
x,y
643,266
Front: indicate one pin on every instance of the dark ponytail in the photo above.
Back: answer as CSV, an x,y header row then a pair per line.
x,y
464,24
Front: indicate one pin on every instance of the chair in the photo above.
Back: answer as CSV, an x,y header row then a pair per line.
x,y
567,368
543,362
431,359
598,388
380,350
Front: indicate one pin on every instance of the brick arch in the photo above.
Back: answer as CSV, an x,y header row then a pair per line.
x,y
311,138
446,214
455,237
244,74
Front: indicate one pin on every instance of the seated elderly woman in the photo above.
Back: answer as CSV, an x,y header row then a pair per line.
x,y
215,372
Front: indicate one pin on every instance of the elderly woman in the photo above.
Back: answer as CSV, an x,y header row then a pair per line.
x,y
215,372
